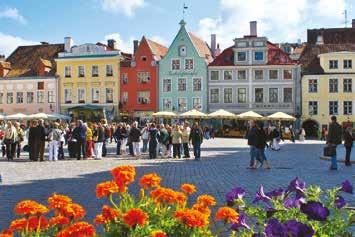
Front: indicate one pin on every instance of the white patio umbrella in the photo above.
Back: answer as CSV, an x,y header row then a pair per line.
x,y
222,114
249,115
58,116
164,114
16,116
281,116
193,114
38,116
2,117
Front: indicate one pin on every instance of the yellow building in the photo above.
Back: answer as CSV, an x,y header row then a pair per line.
x,y
89,85
330,91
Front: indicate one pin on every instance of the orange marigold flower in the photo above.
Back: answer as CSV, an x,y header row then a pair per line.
x,y
188,188
6,235
99,219
164,195
206,200
203,209
29,207
123,175
33,223
58,220
191,218
74,211
159,233
149,181
106,188
79,229
110,213
227,214
134,217
181,198
18,224
57,201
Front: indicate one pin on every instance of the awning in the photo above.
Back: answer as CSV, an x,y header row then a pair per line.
x,y
222,114
249,115
193,114
164,114
281,116
87,106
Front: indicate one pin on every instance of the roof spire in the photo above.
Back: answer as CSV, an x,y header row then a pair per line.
x,y
184,8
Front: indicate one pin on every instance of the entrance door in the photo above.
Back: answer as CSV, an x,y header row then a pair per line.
x,y
311,128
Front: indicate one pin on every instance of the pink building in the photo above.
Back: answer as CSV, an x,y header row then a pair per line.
x,y
28,83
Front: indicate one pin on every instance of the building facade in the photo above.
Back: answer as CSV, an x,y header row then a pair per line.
x,y
254,74
28,83
88,79
139,80
183,74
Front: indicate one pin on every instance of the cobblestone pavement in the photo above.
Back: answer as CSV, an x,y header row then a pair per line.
x,y
222,167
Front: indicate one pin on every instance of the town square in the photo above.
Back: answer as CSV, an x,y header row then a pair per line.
x,y
150,118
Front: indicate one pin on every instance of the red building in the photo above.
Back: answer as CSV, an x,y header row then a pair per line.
x,y
139,80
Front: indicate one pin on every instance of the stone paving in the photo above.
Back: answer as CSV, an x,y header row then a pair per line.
x,y
222,167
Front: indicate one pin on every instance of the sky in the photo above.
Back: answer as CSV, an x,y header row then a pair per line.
x,y
25,22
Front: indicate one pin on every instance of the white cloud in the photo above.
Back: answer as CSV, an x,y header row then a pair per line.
x,y
279,20
12,13
160,40
126,7
124,45
8,43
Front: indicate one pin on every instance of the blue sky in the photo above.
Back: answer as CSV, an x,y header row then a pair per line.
x,y
32,21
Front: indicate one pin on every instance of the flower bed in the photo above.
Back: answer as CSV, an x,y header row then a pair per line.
x,y
297,211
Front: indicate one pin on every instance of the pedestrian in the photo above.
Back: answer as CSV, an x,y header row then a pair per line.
x,y
176,136
169,146
196,138
20,138
42,139
118,136
61,143
153,141
302,134
54,138
79,134
72,142
323,134
135,135
124,134
10,140
333,140
275,136
89,142
292,133
185,139
34,140
348,143
98,138
107,134
260,145
145,138
163,140
251,136
129,141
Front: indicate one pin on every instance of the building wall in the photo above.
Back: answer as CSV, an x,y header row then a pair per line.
x,y
29,85
199,71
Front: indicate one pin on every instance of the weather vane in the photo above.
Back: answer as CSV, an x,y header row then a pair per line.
x,y
183,11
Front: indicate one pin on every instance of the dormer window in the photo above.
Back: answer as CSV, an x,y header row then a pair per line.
x,y
333,64
241,56
319,39
259,56
182,51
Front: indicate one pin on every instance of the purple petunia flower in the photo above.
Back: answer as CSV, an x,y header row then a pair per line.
x,y
339,202
235,193
296,185
241,222
298,229
275,229
294,202
315,211
261,196
275,193
347,187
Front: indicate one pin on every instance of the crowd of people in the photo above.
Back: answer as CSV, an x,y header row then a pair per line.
x,y
89,140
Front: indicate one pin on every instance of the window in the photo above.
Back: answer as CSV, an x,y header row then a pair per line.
x,y
241,56
167,104
109,95
312,86
333,107
81,95
182,84
313,107
214,95
259,95
242,95
124,97
182,51
214,75
242,74
228,95
259,56
189,64
347,63
143,77
67,71
10,97
30,97
19,98
166,85
40,97
175,64
288,74
95,71
227,75
1,98
333,85
333,64
182,104
124,78
67,96
143,97
109,70
348,108
287,95
197,103
81,71
258,74
273,74
196,84
40,85
347,85
273,95
50,96
95,95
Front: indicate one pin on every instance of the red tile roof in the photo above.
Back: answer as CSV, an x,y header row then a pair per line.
x,y
226,58
157,49
332,35
202,48
126,59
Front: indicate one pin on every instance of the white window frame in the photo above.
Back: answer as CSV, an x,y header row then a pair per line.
x,y
84,89
92,71
224,102
273,79
335,102
218,72
283,74
346,65
309,87
106,94
246,95
219,95
227,70
246,74
33,97
309,111
171,85
43,98
17,93
200,98
106,74
254,74
186,85
332,64
254,97
171,64
7,97
94,89
278,95
187,104
71,95
246,56
52,97
283,94
258,60
79,70
351,85
65,69
171,103
193,79
348,106
193,64
337,85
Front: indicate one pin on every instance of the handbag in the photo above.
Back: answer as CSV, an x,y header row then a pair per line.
x,y
329,151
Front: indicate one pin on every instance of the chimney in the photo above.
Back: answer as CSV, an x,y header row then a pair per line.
x,y
135,46
218,51
320,39
68,43
213,44
353,23
112,44
253,29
